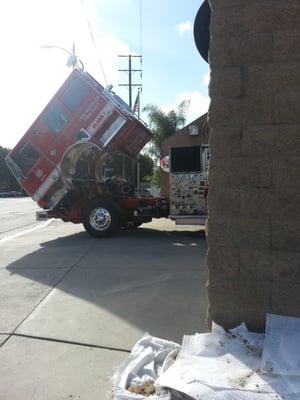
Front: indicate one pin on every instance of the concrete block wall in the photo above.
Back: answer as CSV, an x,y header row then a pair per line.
x,y
254,199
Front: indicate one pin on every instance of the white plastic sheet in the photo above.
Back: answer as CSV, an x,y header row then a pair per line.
x,y
226,366
235,365
148,359
281,353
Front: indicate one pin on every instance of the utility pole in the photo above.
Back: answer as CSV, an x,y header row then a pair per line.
x,y
130,72
130,86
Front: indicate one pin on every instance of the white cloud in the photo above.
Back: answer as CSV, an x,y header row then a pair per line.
x,y
206,79
184,28
199,104
31,75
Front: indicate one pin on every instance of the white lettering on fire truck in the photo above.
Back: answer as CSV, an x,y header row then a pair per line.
x,y
92,108
100,119
39,173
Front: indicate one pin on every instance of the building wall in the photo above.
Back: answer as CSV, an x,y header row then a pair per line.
x,y
182,138
254,199
165,184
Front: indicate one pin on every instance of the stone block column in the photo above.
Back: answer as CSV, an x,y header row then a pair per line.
x,y
254,199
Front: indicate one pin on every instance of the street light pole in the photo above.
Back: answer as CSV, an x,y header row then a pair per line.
x,y
72,61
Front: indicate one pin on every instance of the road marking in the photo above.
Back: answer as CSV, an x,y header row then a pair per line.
x,y
24,232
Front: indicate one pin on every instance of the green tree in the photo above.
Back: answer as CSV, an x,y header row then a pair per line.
x,y
7,180
146,167
164,125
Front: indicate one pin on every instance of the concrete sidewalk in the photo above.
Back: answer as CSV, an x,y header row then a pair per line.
x,y
73,306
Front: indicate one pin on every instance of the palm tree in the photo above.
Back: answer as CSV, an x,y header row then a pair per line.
x,y
164,125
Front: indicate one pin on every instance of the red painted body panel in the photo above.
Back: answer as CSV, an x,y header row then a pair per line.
x,y
103,118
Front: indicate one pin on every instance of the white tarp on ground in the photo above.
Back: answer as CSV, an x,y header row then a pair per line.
x,y
235,365
281,353
148,359
226,366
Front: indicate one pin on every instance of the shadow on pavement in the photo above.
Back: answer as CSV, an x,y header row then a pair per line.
x,y
143,280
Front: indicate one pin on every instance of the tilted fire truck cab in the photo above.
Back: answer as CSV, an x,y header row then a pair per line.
x,y
62,159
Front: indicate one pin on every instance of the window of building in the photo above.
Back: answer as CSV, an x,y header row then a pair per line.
x,y
185,159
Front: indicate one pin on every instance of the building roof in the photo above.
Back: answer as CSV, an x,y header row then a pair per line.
x,y
184,138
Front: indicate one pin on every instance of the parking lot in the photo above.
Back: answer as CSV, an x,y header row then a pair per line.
x,y
73,306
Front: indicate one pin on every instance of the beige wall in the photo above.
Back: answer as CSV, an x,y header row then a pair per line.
x,y
254,200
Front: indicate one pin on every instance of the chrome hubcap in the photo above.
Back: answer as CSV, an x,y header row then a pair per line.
x,y
100,219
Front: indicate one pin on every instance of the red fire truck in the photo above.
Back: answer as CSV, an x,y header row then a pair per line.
x,y
61,160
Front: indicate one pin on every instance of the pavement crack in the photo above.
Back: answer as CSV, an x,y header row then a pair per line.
x,y
8,336
64,341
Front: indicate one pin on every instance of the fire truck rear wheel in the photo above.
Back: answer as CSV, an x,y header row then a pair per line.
x,y
102,219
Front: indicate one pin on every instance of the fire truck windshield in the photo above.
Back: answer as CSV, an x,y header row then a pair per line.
x,y
26,157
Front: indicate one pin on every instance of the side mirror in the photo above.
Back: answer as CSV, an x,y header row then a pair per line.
x,y
201,30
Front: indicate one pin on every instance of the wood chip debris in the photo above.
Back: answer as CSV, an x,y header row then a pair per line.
x,y
147,388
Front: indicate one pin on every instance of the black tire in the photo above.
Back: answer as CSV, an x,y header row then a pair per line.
x,y
102,219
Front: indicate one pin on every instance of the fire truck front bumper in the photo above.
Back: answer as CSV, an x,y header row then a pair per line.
x,y
42,215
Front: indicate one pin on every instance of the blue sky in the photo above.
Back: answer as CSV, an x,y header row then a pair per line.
x,y
171,62
172,68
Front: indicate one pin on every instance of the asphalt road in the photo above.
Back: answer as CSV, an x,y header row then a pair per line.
x,y
16,213
72,307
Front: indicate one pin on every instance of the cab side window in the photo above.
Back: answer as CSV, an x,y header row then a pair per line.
x,y
75,94
55,119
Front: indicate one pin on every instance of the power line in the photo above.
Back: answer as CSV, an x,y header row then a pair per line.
x,y
94,42
141,27
141,50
